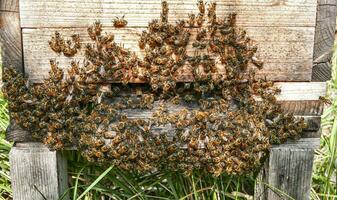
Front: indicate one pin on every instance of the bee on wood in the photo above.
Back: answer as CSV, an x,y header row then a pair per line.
x,y
201,35
258,63
119,22
199,45
165,10
68,50
200,19
211,13
143,39
325,100
191,20
77,41
57,43
201,6
95,30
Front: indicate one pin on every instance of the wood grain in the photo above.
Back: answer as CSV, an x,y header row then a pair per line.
x,y
9,6
11,46
287,52
324,39
37,173
288,169
10,38
284,30
79,13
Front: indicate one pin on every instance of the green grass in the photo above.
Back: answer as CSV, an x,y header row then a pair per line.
x,y
89,181
325,165
5,187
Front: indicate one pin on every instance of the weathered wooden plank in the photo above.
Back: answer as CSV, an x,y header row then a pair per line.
x,y
9,6
287,51
311,107
300,99
15,133
37,173
78,13
301,90
11,45
287,171
10,38
324,39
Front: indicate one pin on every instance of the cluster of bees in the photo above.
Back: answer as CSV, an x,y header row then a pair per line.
x,y
213,123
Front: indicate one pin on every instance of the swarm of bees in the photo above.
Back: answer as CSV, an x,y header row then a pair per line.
x,y
219,126
69,48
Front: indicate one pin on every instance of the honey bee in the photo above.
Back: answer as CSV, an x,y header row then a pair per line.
x,y
69,51
211,13
325,100
201,6
165,10
199,45
188,98
201,35
191,20
257,63
200,19
119,22
77,41
143,40
57,43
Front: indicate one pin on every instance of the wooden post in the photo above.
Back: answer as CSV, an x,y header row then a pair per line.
x,y
288,171
36,173
324,39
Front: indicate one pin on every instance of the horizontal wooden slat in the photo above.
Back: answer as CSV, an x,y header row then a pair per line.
x,y
301,91
305,104
287,52
311,107
79,13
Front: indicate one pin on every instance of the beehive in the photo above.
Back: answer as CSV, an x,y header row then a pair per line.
x,y
294,39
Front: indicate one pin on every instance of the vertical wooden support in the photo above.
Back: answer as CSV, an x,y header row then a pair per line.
x,y
287,172
324,39
36,173
10,34
11,51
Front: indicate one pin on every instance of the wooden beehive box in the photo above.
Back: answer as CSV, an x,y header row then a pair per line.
x,y
294,37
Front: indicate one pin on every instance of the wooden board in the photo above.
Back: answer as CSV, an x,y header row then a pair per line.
x,y
287,57
79,13
324,39
287,171
11,46
10,35
283,29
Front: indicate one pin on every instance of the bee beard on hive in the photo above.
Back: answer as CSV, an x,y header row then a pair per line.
x,y
222,128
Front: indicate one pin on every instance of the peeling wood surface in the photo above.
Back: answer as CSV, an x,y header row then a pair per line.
x,y
37,173
283,30
324,39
